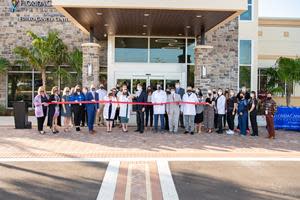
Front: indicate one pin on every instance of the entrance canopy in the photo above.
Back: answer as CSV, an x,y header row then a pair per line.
x,y
149,17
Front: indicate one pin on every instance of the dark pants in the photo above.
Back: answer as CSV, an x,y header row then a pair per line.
x,y
91,118
149,115
181,120
243,123
162,122
83,115
77,109
253,120
166,122
220,123
40,123
270,125
140,120
230,120
216,120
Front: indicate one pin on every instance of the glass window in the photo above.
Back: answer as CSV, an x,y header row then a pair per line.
x,y
127,82
245,76
245,52
247,15
19,88
191,51
167,50
131,49
171,83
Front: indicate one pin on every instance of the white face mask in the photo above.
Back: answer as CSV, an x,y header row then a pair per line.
x,y
172,92
177,86
231,94
219,93
139,89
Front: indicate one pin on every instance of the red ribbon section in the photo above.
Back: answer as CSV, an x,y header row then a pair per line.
x,y
131,103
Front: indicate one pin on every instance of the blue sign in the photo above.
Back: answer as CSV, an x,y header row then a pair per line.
x,y
287,118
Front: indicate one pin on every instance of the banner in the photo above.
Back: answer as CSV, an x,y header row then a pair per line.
x,y
287,118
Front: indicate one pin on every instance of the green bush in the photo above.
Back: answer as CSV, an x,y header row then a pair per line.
x,y
2,110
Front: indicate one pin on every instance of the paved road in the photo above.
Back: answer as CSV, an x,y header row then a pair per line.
x,y
51,180
247,180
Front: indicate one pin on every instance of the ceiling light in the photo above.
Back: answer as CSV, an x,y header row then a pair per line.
x,y
180,34
188,26
105,24
199,16
99,13
144,25
144,33
146,14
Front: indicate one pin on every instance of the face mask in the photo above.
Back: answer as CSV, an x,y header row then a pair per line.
x,y
209,94
241,97
197,91
139,88
252,95
269,98
158,87
93,89
172,92
219,93
101,87
231,94
78,90
189,91
177,86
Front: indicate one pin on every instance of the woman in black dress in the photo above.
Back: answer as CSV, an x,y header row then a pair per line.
x,y
253,113
54,110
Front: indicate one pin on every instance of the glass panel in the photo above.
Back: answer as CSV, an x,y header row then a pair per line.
x,y
167,50
171,83
154,82
51,81
136,81
262,80
190,75
19,88
245,76
127,82
103,79
131,49
245,52
190,51
247,15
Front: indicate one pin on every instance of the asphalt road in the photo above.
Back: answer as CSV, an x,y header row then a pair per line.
x,y
247,180
50,180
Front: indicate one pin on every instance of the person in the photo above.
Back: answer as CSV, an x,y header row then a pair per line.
x,y
99,116
179,90
243,114
125,108
159,97
149,108
40,108
231,110
173,110
84,118
270,109
140,97
247,97
199,111
66,109
91,108
77,108
189,110
215,96
220,109
117,120
253,113
209,112
53,111
109,110
168,92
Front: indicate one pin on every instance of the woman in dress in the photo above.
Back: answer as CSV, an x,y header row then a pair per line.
x,y
109,111
149,108
125,108
209,112
41,106
253,113
199,111
54,111
66,109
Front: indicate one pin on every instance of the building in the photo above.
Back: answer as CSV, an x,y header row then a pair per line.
x,y
205,43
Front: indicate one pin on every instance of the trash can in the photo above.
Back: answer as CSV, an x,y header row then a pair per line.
x,y
21,115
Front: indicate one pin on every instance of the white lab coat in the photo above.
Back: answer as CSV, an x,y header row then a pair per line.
x,y
189,109
106,108
159,97
123,106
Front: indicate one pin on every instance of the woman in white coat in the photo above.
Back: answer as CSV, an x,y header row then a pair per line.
x,y
189,110
125,108
159,96
109,111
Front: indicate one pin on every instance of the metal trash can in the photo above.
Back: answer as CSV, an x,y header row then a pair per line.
x,y
21,115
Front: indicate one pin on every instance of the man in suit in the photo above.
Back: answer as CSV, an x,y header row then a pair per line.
x,y
179,90
141,97
92,108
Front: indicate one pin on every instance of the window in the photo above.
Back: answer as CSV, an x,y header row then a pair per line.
x,y
245,63
247,15
245,76
167,50
131,49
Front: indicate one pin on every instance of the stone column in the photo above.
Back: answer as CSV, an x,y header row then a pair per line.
x,y
90,64
203,67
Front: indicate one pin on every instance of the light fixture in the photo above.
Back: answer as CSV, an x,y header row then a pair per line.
x,y
144,25
105,35
146,14
105,24
89,69
110,33
179,34
188,27
99,13
144,33
199,16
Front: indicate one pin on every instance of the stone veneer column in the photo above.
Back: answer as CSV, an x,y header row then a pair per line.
x,y
91,55
202,59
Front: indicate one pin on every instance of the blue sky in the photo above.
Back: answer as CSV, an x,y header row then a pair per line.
x,y
279,8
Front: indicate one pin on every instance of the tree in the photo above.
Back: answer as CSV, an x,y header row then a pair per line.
x,y
4,65
75,61
44,51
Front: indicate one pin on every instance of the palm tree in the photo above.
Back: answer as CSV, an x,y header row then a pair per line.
x,y
4,65
75,61
44,51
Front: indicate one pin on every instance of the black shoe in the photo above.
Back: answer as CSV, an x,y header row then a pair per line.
x,y
77,129
253,135
192,133
186,132
141,132
54,132
137,131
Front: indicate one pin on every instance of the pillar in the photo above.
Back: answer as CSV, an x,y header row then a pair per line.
x,y
90,64
203,68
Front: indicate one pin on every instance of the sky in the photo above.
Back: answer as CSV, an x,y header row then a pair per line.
x,y
279,8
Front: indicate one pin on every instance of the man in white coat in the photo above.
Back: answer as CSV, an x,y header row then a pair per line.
x,y
189,110
159,96
173,110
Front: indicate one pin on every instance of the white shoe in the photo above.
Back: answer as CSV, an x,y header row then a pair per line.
x,y
230,132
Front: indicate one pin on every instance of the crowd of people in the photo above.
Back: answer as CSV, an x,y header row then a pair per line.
x,y
155,108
